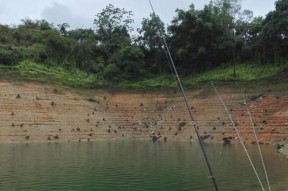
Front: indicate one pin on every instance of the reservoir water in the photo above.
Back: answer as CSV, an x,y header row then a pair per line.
x,y
135,166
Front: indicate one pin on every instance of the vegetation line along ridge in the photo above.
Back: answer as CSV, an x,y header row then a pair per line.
x,y
207,44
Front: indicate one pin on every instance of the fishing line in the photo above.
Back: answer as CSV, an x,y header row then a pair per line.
x,y
239,137
186,102
258,145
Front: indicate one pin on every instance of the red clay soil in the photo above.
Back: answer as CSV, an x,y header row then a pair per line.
x,y
42,113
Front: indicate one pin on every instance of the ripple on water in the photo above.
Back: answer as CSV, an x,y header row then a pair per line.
x,y
133,166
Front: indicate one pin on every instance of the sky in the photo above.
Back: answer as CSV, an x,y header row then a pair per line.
x,y
81,13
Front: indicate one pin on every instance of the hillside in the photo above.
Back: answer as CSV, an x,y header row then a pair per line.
x,y
42,113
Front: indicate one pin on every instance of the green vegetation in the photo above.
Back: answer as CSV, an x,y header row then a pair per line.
x,y
166,81
30,71
217,43
246,72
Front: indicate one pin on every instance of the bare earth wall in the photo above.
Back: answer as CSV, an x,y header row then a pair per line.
x,y
43,113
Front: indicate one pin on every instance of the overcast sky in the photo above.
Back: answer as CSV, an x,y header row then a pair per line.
x,y
81,13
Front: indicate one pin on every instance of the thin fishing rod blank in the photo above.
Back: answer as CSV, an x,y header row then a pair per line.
x,y
171,61
239,137
258,145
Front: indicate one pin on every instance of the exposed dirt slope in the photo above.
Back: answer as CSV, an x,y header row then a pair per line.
x,y
39,113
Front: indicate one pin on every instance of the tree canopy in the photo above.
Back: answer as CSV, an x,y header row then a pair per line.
x,y
200,40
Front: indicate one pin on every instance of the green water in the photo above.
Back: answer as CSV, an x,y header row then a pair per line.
x,y
135,166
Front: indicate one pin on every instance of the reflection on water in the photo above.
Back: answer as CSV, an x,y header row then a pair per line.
x,y
134,165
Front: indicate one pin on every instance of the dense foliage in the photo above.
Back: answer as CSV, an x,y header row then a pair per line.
x,y
200,40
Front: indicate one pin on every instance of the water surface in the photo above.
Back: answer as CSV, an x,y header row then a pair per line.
x,y
135,166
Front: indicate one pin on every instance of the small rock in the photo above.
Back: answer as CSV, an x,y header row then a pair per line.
x,y
279,146
226,141
203,137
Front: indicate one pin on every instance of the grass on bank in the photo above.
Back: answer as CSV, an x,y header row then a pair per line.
x,y
30,71
244,72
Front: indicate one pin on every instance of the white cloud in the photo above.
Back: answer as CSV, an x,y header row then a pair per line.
x,y
259,8
13,11
59,13
81,13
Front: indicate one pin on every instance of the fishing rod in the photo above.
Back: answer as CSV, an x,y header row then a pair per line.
x,y
257,141
192,122
239,137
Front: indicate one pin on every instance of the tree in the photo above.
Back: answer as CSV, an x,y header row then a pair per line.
x,y
274,34
113,27
130,61
150,32
57,47
199,39
248,35
151,42
205,39
83,54
233,18
63,28
8,56
6,34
